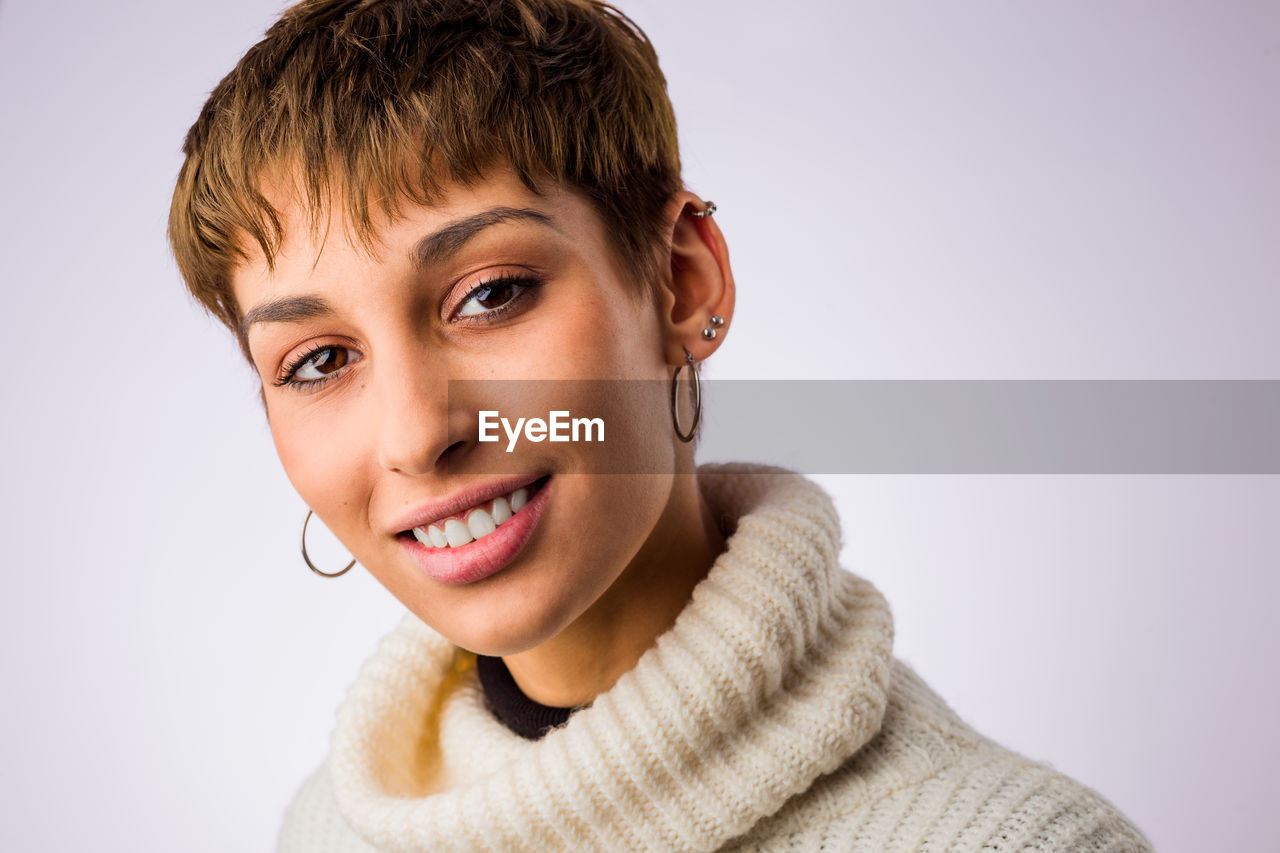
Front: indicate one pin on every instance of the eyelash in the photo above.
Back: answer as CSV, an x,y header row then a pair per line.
x,y
523,284
292,367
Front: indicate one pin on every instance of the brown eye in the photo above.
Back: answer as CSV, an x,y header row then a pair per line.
x,y
493,298
325,361
333,358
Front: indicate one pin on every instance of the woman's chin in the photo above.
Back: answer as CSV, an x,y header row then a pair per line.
x,y
498,631
500,643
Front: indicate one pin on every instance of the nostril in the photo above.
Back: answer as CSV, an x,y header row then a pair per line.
x,y
452,452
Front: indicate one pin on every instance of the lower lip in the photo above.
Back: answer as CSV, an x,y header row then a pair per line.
x,y
484,557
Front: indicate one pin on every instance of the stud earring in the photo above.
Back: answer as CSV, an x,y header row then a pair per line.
x,y
709,333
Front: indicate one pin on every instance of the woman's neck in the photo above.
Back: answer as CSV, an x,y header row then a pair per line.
x,y
586,658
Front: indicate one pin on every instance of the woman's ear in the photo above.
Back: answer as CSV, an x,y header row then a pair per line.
x,y
697,284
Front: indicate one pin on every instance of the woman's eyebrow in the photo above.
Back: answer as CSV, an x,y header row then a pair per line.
x,y
435,248
291,309
439,245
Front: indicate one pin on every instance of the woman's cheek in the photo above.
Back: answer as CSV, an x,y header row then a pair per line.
x,y
318,462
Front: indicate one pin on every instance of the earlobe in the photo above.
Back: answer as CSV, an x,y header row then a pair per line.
x,y
700,285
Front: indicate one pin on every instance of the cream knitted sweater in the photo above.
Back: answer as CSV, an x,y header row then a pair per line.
x,y
771,716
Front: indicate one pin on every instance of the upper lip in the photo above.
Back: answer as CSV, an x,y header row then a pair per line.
x,y
435,510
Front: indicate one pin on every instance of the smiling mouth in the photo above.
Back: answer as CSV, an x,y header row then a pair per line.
x,y
474,523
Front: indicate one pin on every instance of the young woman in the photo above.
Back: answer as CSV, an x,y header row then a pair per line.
x,y
392,202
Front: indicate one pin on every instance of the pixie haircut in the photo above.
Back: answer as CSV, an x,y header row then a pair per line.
x,y
377,102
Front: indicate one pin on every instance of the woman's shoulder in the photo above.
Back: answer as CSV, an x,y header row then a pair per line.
x,y
928,780
313,824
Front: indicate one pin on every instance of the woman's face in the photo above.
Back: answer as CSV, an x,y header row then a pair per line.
x,y
356,352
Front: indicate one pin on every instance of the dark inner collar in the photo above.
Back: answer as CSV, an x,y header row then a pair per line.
x,y
516,711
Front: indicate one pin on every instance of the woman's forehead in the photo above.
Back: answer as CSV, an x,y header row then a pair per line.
x,y
313,235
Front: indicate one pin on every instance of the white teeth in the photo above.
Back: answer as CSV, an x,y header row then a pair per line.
x,y
457,533
480,524
501,510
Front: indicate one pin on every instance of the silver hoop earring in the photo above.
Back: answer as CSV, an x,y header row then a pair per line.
x,y
697,400
307,558
708,211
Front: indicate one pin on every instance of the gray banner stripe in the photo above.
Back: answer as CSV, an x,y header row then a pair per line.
x,y
998,426
921,426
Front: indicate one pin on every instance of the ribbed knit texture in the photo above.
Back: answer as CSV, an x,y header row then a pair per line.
x,y
771,716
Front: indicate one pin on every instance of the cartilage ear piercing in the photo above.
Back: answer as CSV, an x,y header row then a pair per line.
x,y
708,211
709,334
717,320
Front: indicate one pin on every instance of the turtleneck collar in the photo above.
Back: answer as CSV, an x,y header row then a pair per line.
x,y
775,672
526,717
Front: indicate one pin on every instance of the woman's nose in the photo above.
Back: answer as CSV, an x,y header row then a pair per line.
x,y
412,418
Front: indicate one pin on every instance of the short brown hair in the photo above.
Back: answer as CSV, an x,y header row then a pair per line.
x,y
393,99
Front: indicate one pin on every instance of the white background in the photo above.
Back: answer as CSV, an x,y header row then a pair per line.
x,y
968,190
